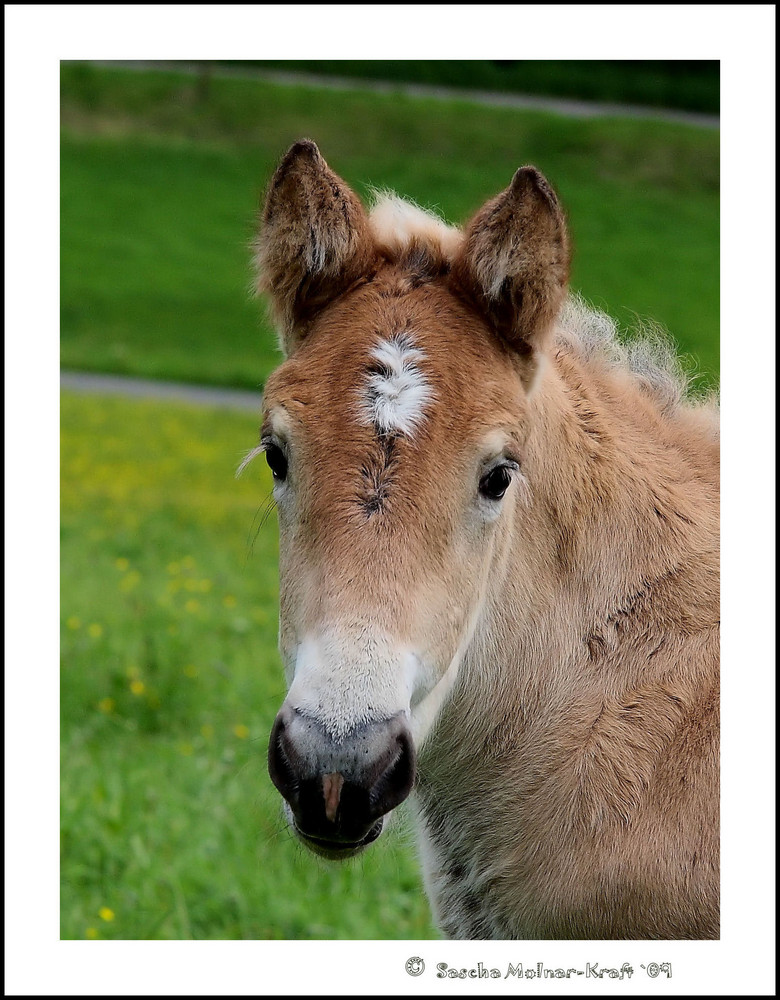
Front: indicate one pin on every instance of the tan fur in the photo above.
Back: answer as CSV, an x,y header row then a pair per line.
x,y
567,784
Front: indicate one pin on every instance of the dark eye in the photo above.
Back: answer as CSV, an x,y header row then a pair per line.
x,y
494,484
277,462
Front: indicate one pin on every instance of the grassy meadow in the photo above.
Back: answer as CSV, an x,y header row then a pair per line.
x,y
170,683
161,187
170,675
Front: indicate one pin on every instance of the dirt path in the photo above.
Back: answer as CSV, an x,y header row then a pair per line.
x,y
141,388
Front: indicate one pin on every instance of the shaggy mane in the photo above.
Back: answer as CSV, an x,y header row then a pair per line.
x,y
648,354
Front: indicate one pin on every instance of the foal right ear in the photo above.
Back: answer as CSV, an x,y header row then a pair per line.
x,y
313,243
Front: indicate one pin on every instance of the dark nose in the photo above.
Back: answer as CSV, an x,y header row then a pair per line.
x,y
339,790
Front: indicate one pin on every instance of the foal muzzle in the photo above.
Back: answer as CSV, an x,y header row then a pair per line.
x,y
339,791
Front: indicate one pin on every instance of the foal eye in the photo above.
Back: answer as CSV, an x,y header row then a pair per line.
x,y
494,484
277,462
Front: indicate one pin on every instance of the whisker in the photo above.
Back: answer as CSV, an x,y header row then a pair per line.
x,y
263,511
250,537
271,506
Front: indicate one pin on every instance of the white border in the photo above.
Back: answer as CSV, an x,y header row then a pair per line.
x,y
37,37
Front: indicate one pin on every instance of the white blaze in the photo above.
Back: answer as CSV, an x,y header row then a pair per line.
x,y
394,400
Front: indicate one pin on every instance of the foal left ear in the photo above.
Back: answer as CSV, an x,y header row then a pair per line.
x,y
515,262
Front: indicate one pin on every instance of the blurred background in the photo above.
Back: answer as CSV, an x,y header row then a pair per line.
x,y
171,679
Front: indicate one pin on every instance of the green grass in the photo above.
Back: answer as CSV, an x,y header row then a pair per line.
x,y
161,185
170,683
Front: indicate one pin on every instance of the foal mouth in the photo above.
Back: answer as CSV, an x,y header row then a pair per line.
x,y
339,850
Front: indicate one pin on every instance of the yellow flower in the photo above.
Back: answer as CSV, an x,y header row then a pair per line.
x,y
105,914
229,601
129,581
204,586
94,630
190,670
192,606
186,749
137,687
91,933
73,623
107,705
122,563
241,731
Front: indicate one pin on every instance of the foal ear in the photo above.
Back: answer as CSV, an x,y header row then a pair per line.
x,y
313,242
515,262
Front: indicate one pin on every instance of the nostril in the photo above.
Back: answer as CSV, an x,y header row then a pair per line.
x,y
396,781
281,764
339,790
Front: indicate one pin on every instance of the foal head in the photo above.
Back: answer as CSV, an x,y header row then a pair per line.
x,y
395,431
